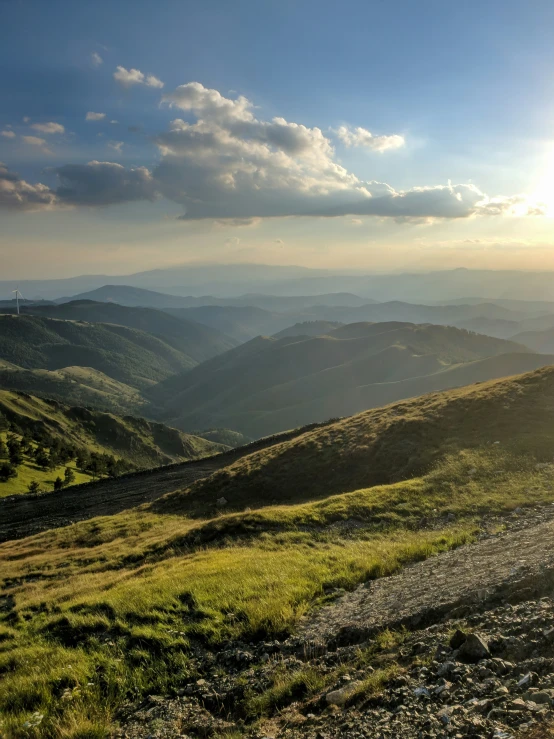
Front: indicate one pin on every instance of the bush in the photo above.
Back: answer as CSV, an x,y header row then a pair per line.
x,y
7,471
34,487
69,476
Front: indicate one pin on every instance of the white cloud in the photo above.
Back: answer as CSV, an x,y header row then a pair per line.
x,y
17,194
232,241
116,145
90,116
128,77
152,81
363,137
95,59
26,119
50,127
114,121
221,162
34,140
8,134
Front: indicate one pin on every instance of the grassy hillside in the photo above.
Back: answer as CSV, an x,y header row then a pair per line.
x,y
136,441
193,340
271,384
115,609
127,355
73,385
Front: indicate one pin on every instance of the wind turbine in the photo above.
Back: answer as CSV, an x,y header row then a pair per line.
x,y
17,296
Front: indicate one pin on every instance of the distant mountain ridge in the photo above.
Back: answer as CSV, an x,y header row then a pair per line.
x,y
229,280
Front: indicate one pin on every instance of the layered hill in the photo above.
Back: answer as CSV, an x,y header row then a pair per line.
x,y
385,445
195,341
538,341
73,385
127,613
268,384
135,296
127,355
141,442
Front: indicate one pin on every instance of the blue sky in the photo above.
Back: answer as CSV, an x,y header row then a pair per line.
x,y
381,135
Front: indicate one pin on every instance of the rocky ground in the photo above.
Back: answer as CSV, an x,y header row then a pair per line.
x,y
460,645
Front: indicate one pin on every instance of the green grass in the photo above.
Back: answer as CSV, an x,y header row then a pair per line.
x,y
138,441
29,471
119,601
111,609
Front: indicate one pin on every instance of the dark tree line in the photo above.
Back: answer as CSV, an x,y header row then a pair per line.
x,y
49,453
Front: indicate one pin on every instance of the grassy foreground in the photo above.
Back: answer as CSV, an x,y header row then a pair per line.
x,y
111,609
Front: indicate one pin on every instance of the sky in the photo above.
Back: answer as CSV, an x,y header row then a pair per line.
x,y
378,135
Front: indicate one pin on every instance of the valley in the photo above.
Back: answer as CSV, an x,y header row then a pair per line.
x,y
247,501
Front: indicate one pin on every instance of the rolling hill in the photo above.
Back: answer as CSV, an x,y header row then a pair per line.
x,y
139,442
308,328
136,608
244,323
136,296
537,341
193,340
268,384
127,355
383,445
73,385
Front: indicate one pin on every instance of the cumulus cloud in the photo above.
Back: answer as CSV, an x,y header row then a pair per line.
x,y
103,183
90,116
48,128
222,162
8,134
17,194
95,59
128,77
34,140
116,145
230,164
363,137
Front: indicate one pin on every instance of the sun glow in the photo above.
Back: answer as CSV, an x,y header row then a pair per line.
x,y
545,183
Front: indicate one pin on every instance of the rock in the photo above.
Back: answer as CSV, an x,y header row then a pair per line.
x,y
541,696
421,692
457,639
446,669
221,502
473,649
340,697
525,680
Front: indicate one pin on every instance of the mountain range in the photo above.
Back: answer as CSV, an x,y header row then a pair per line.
x,y
237,279
270,384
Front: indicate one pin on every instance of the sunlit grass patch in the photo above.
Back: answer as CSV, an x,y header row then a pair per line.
x,y
110,609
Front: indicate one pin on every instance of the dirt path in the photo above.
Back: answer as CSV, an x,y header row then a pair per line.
x,y
26,514
509,567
